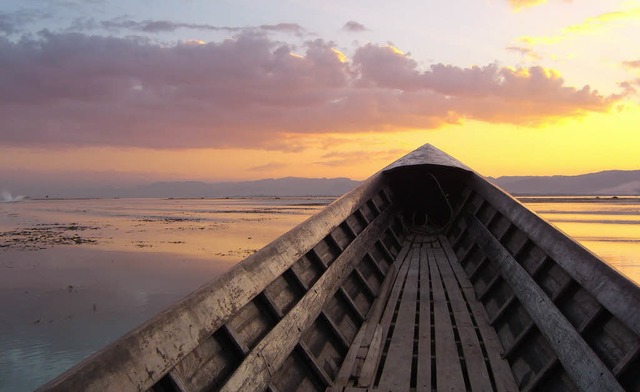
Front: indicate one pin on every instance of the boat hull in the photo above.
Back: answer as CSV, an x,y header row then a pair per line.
x,y
425,277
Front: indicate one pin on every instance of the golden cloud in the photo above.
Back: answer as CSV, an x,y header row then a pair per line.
x,y
589,25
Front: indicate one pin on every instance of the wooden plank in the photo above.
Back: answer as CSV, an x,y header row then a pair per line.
x,y
423,374
625,361
617,293
370,365
494,281
502,311
364,282
519,339
385,250
580,362
235,339
448,369
254,373
351,305
474,359
375,312
336,330
396,371
313,364
390,306
499,367
541,375
402,266
346,369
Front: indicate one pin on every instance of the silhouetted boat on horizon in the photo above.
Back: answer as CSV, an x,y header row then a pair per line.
x,y
425,277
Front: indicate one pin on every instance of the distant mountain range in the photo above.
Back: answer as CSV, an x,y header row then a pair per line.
x,y
612,182
289,186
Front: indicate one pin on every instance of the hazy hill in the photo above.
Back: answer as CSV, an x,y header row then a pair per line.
x,y
612,182
289,186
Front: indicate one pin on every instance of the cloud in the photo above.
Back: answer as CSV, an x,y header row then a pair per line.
x,y
342,158
631,86
525,51
600,21
634,64
588,25
519,4
13,22
70,89
269,166
354,27
166,26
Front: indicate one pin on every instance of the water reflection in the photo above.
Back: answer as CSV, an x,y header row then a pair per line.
x,y
609,227
77,274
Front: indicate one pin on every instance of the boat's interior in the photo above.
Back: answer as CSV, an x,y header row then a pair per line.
x,y
424,279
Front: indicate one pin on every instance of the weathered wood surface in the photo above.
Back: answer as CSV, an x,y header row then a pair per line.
x,y
501,372
474,358
580,362
397,371
448,370
618,294
255,372
430,281
423,381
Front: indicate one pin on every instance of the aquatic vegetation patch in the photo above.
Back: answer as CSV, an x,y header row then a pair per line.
x,y
237,252
45,235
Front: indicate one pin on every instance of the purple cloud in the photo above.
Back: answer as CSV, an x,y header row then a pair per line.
x,y
77,89
354,27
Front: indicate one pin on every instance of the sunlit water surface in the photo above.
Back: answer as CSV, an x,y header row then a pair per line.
x,y
77,274
608,227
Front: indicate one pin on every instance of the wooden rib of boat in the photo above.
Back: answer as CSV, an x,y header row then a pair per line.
x,y
426,277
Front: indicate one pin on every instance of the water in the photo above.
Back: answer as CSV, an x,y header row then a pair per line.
x,y
77,274
608,227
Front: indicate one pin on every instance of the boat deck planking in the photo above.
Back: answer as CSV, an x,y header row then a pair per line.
x,y
431,320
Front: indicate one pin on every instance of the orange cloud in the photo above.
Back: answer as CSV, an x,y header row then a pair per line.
x,y
250,91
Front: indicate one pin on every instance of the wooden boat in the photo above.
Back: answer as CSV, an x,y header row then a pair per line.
x,y
426,277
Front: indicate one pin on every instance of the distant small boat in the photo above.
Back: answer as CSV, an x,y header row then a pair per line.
x,y
426,277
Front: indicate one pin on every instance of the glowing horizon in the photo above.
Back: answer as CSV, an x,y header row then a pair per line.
x,y
246,91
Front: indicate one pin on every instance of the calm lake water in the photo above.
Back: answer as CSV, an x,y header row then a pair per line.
x,y
77,274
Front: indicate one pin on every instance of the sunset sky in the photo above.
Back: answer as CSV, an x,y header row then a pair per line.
x,y
121,92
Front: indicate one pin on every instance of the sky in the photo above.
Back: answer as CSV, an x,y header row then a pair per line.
x,y
124,92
